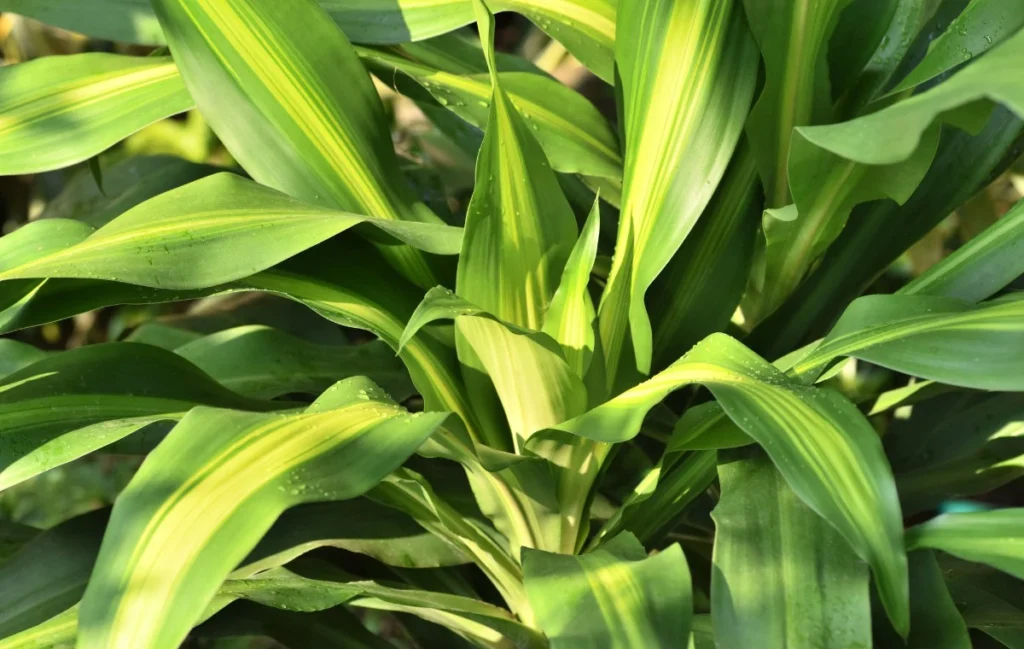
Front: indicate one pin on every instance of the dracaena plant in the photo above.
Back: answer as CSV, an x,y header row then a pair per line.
x,y
609,407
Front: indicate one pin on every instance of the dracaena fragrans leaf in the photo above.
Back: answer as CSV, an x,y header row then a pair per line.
x,y
680,130
57,111
240,471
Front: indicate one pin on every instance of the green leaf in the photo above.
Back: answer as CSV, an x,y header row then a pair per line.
x,y
209,232
981,267
570,316
519,227
75,402
56,632
982,25
331,629
893,134
48,575
793,37
988,600
993,537
937,338
59,110
240,471
782,576
614,597
130,21
125,184
879,232
15,355
316,132
574,136
823,446
681,125
935,622
265,363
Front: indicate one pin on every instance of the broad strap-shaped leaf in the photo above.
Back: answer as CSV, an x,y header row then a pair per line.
x,y
988,600
981,267
982,25
574,136
681,125
782,576
314,131
209,232
473,619
520,228
60,110
266,363
994,537
75,402
335,628
937,338
822,445
206,495
614,597
570,316
793,38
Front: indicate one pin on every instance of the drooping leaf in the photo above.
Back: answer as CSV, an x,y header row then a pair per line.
x,y
988,600
937,338
209,232
782,576
614,597
994,537
75,402
265,363
59,110
574,136
316,132
822,445
680,128
239,471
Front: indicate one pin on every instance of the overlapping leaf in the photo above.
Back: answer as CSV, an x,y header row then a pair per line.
x,y
225,476
994,537
782,576
614,597
681,126
57,111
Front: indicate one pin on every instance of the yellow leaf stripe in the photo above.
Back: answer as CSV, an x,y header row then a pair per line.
x,y
161,556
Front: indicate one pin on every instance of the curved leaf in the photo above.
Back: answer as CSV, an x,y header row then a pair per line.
x,y
994,537
574,136
210,232
316,132
213,487
75,402
614,597
59,110
681,126
937,338
15,355
824,447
